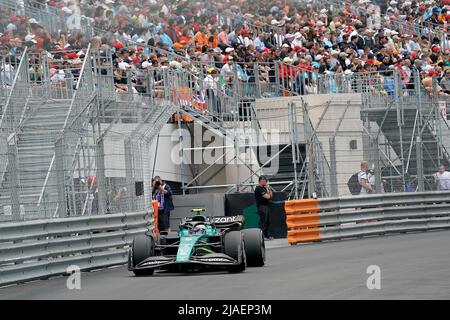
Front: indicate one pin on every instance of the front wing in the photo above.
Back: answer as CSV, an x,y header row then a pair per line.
x,y
210,259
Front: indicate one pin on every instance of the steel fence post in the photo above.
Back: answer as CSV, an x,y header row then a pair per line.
x,y
293,124
377,166
129,174
101,179
333,171
400,120
419,156
60,183
14,178
257,81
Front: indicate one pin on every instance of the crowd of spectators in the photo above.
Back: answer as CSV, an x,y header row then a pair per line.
x,y
307,37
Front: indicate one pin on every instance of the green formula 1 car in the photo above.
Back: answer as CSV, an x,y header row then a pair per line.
x,y
202,243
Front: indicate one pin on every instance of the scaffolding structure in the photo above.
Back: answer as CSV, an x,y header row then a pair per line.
x,y
72,143
93,155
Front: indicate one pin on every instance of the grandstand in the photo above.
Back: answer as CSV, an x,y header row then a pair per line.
x,y
97,97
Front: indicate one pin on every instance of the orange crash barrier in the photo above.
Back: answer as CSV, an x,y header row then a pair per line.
x,y
155,205
302,220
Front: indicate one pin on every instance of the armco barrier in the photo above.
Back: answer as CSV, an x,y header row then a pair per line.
x,y
370,215
42,248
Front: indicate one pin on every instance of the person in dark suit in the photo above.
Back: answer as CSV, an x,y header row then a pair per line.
x,y
263,195
163,193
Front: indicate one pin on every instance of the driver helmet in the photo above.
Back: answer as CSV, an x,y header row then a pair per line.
x,y
200,229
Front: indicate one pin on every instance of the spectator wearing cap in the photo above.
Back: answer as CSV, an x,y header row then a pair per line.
x,y
244,38
213,89
298,40
228,69
208,57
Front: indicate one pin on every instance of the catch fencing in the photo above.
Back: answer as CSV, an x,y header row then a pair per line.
x,y
66,132
43,248
350,217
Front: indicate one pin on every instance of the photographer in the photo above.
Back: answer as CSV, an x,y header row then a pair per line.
x,y
163,193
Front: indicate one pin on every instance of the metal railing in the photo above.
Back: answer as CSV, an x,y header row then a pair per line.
x,y
19,91
219,102
67,145
44,248
15,105
363,216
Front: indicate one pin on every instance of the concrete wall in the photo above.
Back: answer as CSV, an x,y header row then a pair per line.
x,y
273,115
167,163
351,128
166,153
227,171
274,111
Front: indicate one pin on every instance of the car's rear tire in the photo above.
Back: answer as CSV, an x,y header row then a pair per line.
x,y
255,248
143,247
234,247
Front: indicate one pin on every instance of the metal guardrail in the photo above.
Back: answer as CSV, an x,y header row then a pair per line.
x,y
43,248
370,215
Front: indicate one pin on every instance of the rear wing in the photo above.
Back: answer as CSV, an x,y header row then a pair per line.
x,y
227,222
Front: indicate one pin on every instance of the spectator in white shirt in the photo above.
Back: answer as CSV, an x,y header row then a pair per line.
x,y
442,178
363,178
7,71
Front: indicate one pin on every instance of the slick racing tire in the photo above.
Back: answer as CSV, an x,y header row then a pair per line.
x,y
142,248
255,248
234,247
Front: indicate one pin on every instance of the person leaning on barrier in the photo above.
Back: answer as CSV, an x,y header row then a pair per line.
x,y
363,178
263,195
442,178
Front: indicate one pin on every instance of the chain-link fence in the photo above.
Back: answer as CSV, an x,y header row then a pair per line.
x,y
76,141
403,134
68,137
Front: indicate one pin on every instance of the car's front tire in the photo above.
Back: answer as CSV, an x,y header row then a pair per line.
x,y
143,247
234,247
255,248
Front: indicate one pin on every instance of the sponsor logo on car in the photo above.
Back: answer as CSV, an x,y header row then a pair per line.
x,y
216,260
226,219
152,262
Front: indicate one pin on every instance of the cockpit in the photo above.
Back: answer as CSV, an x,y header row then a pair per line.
x,y
196,224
